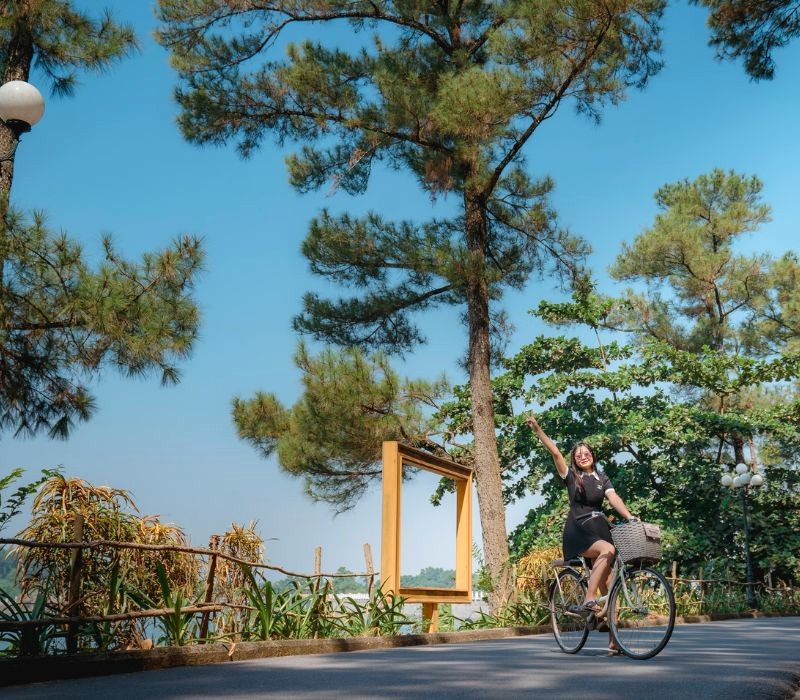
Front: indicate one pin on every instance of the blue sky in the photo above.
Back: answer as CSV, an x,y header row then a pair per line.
x,y
111,160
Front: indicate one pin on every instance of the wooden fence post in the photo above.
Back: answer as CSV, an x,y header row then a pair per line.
x,y
674,575
75,571
209,597
370,570
702,592
317,584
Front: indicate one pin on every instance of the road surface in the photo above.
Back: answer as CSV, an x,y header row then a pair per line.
x,y
735,659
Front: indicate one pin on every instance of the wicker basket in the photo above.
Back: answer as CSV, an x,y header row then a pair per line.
x,y
637,542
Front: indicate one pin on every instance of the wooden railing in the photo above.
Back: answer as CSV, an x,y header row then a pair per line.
x,y
78,547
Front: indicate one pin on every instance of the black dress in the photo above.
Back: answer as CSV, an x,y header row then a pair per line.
x,y
582,530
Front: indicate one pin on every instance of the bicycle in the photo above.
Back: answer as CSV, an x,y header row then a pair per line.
x,y
639,607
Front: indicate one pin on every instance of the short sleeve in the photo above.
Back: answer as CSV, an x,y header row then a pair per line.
x,y
566,479
607,485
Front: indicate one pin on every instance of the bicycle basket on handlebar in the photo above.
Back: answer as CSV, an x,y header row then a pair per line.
x,y
637,542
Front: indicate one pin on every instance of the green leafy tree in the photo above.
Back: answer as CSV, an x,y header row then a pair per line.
x,y
636,405
696,286
430,577
349,584
698,292
332,437
449,92
727,310
706,381
752,30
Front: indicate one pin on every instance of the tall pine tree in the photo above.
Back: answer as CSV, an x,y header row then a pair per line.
x,y
699,293
450,92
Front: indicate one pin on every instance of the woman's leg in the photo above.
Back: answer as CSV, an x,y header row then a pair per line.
x,y
605,587
602,554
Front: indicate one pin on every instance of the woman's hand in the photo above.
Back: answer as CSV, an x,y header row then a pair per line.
x,y
552,448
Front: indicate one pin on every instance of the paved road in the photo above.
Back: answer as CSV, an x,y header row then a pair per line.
x,y
731,660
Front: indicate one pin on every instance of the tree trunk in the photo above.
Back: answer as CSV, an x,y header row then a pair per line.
x,y
487,462
738,448
17,67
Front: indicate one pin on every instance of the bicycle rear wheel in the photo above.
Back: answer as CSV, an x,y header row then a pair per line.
x,y
641,614
569,629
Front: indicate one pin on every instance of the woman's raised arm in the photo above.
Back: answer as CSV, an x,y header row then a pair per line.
x,y
552,448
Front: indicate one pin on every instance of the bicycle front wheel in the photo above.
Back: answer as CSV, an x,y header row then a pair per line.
x,y
641,613
569,629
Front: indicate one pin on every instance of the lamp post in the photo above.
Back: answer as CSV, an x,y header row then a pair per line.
x,y
743,479
21,106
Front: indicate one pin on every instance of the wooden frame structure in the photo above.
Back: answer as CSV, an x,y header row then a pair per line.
x,y
395,455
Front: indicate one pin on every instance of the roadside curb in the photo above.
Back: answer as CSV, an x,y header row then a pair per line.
x,y
25,670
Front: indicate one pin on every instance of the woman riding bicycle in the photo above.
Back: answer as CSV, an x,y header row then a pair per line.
x,y
586,532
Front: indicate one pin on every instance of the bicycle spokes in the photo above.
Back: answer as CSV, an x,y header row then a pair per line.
x,y
570,629
642,613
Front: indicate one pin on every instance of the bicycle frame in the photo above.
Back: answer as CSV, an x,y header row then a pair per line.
x,y
617,578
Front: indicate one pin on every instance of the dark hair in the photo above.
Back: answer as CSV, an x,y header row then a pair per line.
x,y
577,472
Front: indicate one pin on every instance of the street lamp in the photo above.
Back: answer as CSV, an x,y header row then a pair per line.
x,y
743,479
21,106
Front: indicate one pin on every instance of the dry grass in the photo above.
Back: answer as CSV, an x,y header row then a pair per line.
x,y
244,542
109,514
534,570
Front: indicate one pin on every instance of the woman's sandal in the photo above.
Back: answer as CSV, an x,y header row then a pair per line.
x,y
590,607
614,651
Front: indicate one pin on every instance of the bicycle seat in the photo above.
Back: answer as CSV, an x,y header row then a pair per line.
x,y
567,562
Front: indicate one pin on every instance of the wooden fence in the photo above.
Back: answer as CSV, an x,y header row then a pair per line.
x,y
213,553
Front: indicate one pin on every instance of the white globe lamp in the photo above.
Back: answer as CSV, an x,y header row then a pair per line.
x,y
21,106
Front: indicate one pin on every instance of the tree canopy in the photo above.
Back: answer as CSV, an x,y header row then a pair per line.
x,y
60,41
698,290
752,30
61,321
332,437
449,93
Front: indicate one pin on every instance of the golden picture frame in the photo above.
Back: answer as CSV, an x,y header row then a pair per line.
x,y
395,456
